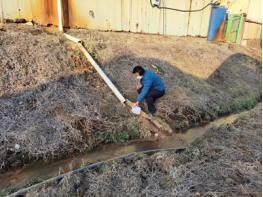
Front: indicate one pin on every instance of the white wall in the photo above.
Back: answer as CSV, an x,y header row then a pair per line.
x,y
134,15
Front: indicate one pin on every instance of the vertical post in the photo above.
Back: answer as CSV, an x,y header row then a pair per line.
x,y
239,29
229,26
1,13
60,24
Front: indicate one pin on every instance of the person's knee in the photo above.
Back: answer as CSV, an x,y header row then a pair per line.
x,y
149,98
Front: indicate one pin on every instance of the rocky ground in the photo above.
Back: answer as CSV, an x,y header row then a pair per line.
x,y
53,104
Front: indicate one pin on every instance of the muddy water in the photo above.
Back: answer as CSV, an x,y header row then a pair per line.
x,y
23,176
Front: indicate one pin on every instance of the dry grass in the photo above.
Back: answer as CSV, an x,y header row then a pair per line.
x,y
53,103
224,162
203,79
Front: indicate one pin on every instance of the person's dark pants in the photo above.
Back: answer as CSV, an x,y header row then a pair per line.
x,y
151,97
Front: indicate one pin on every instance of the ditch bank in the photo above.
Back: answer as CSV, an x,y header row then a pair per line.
x,y
53,104
39,171
225,161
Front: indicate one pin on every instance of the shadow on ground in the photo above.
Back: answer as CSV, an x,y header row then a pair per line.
x,y
77,112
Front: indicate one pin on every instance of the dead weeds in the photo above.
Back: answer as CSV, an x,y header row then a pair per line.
x,y
226,161
43,72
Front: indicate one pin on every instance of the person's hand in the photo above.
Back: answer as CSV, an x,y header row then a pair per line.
x,y
135,104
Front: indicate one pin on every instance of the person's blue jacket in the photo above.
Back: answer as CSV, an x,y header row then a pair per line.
x,y
150,80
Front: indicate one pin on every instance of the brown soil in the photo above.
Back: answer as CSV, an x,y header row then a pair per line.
x,y
226,161
54,104
203,79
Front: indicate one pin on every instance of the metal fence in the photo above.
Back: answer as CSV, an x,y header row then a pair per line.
x,y
128,15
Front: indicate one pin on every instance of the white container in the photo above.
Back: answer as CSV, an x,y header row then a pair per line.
x,y
136,110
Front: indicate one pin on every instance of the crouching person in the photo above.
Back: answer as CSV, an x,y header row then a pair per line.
x,y
151,88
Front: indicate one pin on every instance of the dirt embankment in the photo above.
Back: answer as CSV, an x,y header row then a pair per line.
x,y
54,104
226,161
204,80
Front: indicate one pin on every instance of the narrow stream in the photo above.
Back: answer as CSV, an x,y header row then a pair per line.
x,y
41,170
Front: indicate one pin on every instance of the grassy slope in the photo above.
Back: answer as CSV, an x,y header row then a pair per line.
x,y
60,106
204,80
52,102
226,161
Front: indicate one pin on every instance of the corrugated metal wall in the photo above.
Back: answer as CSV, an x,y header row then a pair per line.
x,y
139,16
199,21
17,9
117,15
254,13
253,9
43,12
132,15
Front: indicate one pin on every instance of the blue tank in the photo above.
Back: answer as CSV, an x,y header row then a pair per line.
x,y
218,14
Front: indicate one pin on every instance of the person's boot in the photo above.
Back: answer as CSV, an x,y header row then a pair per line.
x,y
151,115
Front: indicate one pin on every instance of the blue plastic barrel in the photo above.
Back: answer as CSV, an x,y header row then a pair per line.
x,y
217,17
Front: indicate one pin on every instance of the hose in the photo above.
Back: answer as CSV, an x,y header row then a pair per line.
x,y
179,10
91,167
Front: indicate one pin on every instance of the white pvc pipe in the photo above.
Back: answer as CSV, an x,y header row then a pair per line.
x,y
111,85
72,38
1,12
60,24
97,68
102,74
